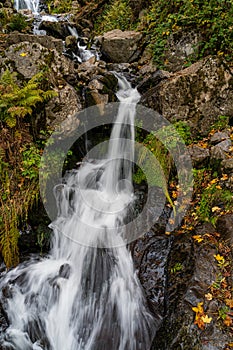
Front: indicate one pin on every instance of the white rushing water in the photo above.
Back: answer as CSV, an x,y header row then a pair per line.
x,y
84,53
84,296
32,5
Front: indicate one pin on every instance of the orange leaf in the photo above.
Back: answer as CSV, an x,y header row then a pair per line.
x,y
227,321
229,302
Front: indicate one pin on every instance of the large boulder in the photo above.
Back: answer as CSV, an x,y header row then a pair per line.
x,y
118,46
198,94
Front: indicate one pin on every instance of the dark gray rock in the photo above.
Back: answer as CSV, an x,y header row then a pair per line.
x,y
56,29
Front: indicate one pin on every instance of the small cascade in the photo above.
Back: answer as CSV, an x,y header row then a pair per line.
x,y
83,53
32,5
85,295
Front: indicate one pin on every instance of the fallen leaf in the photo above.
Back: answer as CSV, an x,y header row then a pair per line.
x,y
209,296
224,177
227,321
206,319
198,308
214,209
198,238
229,302
213,181
219,258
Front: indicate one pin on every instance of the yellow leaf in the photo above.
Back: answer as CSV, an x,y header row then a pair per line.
x,y
213,181
23,54
198,308
206,319
219,258
198,238
214,209
167,233
209,296
218,187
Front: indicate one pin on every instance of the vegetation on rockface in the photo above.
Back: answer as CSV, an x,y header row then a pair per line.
x,y
116,15
10,21
55,7
19,157
211,20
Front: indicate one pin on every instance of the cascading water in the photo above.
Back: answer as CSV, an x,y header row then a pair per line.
x,y
85,296
83,53
32,5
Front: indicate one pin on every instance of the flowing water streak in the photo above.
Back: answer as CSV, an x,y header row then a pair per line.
x,y
32,5
85,296
84,53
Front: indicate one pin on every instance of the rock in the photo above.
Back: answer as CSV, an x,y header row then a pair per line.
x,y
199,155
227,165
180,47
219,136
151,80
185,289
219,152
56,29
198,94
71,42
44,40
118,46
28,59
63,107
65,271
224,226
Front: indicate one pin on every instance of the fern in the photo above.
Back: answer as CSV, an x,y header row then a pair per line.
x,y
17,102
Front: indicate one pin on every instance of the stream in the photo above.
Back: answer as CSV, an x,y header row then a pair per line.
x,y
85,295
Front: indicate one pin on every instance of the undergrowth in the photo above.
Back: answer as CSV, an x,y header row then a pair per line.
x,y
19,158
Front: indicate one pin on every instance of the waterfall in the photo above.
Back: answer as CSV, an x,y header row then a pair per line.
x,y
85,295
83,53
32,5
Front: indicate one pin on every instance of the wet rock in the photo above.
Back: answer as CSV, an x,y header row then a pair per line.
x,y
71,42
118,46
56,29
186,287
198,94
65,271
200,156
